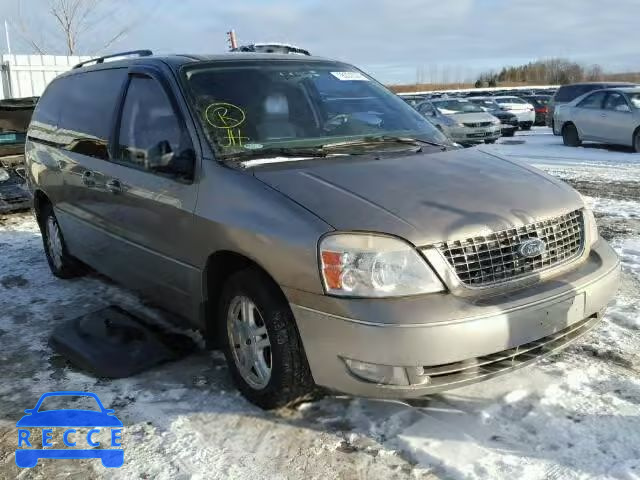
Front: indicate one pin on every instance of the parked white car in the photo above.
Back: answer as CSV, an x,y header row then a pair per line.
x,y
609,116
524,111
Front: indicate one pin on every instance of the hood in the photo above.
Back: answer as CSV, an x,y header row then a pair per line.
x,y
423,198
471,117
502,114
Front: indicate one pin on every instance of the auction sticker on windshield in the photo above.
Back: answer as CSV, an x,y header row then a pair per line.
x,y
349,76
81,429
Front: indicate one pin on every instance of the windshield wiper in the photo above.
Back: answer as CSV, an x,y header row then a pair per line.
x,y
271,152
324,150
382,139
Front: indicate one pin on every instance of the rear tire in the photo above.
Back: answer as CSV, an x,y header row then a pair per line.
x,y
61,263
526,127
264,352
570,136
490,141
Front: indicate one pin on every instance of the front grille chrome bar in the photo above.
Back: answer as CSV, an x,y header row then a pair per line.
x,y
488,260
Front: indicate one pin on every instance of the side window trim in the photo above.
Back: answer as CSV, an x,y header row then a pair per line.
x,y
613,94
155,76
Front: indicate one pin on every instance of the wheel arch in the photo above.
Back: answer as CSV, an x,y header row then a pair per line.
x,y
40,199
565,124
219,267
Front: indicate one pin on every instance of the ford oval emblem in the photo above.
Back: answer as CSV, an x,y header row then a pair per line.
x,y
533,247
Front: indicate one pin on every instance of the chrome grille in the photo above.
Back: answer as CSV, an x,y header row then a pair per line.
x,y
491,259
477,125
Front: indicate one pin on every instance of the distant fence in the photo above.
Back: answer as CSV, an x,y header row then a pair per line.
x,y
28,75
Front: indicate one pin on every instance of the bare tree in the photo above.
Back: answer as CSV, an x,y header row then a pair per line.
x,y
75,21
594,73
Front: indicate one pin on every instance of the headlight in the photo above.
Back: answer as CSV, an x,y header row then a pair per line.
x,y
363,265
591,226
495,122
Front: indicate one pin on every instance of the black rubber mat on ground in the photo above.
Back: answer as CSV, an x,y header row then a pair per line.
x,y
114,343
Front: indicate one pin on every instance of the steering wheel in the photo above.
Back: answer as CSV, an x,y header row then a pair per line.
x,y
335,122
366,121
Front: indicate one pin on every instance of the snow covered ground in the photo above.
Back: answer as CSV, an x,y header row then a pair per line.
x,y
574,416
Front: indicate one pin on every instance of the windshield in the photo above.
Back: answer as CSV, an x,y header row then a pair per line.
x,y
249,106
12,137
456,106
634,98
490,104
509,100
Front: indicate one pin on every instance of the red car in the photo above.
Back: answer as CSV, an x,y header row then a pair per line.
x,y
540,104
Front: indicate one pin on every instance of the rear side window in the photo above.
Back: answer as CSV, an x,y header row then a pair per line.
x,y
47,111
88,103
593,101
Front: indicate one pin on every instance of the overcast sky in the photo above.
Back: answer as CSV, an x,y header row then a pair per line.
x,y
393,40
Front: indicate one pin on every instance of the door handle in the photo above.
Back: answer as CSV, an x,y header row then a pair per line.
x,y
87,178
114,186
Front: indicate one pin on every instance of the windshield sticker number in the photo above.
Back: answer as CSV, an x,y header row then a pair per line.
x,y
357,76
227,117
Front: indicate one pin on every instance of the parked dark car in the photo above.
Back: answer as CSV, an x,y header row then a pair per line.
x,y
540,104
15,115
508,121
568,93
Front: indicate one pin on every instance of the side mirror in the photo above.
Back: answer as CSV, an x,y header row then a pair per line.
x,y
161,158
623,108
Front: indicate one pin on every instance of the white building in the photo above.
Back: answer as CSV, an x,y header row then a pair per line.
x,y
28,75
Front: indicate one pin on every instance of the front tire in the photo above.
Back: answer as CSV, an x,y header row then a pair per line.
x,y
61,263
570,136
261,342
636,141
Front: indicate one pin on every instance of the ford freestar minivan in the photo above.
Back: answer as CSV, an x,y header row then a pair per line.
x,y
311,223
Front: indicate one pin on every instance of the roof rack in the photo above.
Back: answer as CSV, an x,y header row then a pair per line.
x,y
132,53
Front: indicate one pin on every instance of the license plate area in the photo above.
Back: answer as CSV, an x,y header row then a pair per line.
x,y
560,315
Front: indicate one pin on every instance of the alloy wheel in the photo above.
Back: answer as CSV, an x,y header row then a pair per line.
x,y
249,342
54,242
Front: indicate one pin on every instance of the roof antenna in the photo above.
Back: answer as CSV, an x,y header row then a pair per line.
x,y
231,38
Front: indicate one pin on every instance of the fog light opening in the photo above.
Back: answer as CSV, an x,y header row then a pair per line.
x,y
382,374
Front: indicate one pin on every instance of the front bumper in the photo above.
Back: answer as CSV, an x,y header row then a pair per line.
x,y
445,341
525,116
467,135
